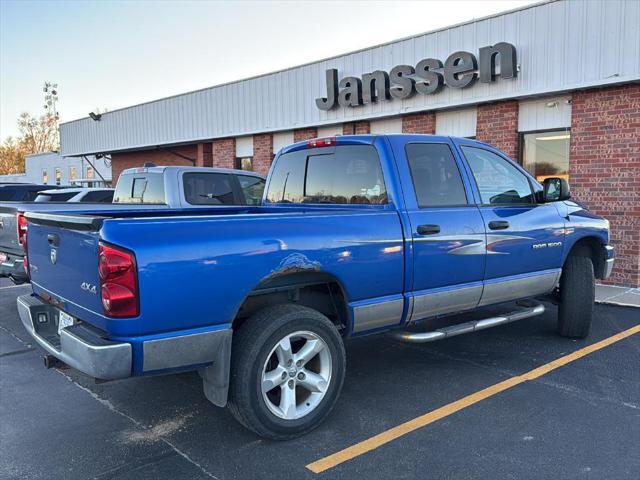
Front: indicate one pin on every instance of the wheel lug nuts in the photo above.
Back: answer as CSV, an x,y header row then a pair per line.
x,y
299,363
301,376
291,384
284,375
289,362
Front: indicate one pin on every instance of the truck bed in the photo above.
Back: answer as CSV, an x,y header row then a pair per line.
x,y
196,267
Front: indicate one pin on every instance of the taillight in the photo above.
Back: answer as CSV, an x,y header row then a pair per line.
x,y
118,282
321,142
21,221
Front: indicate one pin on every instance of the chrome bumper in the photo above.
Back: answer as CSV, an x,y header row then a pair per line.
x,y
79,346
13,267
608,267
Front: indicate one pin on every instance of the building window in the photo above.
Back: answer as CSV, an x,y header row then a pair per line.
x,y
58,176
72,174
45,176
244,163
546,154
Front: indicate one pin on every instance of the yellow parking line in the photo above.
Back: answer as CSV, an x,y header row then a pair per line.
x,y
387,436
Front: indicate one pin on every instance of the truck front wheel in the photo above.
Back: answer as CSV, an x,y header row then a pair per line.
x,y
287,369
577,294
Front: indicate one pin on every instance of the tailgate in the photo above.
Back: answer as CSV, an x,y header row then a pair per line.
x,y
63,260
8,231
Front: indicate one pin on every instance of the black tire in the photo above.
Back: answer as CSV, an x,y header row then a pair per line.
x,y
252,345
577,295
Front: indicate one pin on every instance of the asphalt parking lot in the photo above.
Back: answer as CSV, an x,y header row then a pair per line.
x,y
581,420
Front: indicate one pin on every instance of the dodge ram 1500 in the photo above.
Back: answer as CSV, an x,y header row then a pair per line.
x,y
355,235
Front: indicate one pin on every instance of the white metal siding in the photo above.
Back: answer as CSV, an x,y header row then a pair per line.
x,y
330,131
387,125
35,164
545,113
282,139
457,123
244,146
562,45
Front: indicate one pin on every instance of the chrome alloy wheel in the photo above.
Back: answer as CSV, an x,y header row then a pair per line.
x,y
296,375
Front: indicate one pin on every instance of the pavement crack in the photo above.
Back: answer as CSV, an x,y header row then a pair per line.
x,y
138,424
137,464
17,352
584,394
13,335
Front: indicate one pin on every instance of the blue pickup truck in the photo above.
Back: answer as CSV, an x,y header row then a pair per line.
x,y
355,235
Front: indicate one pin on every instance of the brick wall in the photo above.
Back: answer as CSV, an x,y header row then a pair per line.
x,y
497,125
224,152
304,134
423,122
162,156
604,168
262,152
204,155
362,127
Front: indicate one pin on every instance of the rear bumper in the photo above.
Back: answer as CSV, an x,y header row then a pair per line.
x,y
87,349
79,346
13,267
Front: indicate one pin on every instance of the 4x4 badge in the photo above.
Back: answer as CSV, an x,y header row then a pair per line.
x,y
87,287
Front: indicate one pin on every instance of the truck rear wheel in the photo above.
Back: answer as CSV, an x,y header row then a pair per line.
x,y
287,369
577,294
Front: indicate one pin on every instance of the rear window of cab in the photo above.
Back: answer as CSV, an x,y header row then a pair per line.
x,y
140,188
348,174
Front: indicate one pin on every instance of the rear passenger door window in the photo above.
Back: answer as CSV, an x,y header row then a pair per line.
x,y
436,178
208,189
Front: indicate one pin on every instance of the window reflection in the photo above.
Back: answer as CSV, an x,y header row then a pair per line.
x,y
546,154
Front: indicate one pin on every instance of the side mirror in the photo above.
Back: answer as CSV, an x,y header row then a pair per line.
x,y
555,189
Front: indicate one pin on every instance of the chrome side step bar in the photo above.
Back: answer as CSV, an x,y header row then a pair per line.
x,y
531,309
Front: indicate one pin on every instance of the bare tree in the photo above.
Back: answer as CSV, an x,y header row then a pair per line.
x,y
38,134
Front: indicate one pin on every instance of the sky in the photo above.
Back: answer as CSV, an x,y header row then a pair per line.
x,y
108,54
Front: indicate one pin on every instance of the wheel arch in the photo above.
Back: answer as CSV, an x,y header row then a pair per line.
x,y
593,248
315,289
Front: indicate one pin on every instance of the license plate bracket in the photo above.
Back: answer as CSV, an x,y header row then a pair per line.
x,y
65,320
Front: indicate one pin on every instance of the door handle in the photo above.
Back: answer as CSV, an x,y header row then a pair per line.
x,y
428,229
498,225
53,240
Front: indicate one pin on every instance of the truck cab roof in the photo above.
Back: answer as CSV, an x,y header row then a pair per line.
x,y
369,139
178,169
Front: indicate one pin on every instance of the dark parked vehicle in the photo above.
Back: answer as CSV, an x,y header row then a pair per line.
x,y
22,192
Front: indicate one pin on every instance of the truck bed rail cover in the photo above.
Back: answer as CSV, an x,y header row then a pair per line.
x,y
73,222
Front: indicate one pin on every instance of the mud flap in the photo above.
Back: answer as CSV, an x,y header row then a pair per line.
x,y
215,378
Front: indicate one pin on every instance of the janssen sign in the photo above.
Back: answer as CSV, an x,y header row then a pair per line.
x,y
429,76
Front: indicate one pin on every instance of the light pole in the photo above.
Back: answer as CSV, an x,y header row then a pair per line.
x,y
51,105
